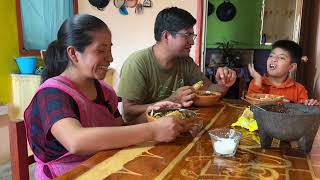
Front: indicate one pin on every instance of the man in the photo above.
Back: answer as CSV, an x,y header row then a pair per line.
x,y
165,71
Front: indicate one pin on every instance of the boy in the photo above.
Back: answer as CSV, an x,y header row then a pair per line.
x,y
283,59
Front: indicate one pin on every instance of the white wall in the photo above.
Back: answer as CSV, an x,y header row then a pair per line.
x,y
133,32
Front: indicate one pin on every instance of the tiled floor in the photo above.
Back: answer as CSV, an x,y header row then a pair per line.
x,y
4,137
5,169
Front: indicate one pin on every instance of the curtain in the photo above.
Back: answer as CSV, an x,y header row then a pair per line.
x,y
279,19
41,20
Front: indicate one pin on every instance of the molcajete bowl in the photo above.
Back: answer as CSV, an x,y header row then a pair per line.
x,y
288,122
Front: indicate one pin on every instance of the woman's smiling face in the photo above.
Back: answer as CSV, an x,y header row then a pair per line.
x,y
96,58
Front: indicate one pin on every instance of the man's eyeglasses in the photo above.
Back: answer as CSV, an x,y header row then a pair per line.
x,y
187,35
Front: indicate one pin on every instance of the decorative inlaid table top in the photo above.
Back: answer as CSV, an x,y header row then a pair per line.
x,y
193,158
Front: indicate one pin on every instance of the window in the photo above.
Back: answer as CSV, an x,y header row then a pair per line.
x,y
39,21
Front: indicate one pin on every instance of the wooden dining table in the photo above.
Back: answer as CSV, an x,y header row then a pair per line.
x,y
191,157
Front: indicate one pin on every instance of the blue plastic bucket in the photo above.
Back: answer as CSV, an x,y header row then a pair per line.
x,y
27,64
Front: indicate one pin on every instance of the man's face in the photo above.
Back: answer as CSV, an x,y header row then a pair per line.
x,y
181,42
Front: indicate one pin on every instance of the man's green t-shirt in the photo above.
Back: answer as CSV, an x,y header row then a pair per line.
x,y
144,80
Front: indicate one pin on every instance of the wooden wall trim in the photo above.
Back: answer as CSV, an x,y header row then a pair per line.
x,y
75,6
199,32
308,40
303,36
19,26
305,23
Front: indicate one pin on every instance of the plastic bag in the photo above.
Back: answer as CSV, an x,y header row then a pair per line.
x,y
246,121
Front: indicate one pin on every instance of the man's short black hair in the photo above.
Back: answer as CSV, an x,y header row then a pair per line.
x,y
172,19
294,50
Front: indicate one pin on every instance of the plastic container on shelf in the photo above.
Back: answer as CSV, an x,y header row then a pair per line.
x,y
27,64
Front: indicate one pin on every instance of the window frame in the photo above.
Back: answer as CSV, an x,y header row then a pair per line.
x,y
22,51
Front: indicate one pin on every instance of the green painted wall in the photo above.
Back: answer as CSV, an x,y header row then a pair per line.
x,y
8,47
244,27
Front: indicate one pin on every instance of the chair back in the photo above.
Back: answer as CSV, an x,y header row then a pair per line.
x,y
20,160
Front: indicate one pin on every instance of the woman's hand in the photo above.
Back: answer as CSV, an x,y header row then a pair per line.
x,y
162,105
167,128
225,76
196,128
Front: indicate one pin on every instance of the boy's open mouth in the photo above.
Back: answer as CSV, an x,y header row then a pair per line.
x,y
272,66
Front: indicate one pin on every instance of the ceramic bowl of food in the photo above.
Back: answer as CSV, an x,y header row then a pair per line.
x,y
206,98
184,114
256,98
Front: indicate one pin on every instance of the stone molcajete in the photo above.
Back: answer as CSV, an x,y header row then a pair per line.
x,y
287,122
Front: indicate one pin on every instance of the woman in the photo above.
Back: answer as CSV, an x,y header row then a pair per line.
x,y
73,114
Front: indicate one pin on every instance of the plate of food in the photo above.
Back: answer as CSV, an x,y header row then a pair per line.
x,y
256,98
184,114
207,98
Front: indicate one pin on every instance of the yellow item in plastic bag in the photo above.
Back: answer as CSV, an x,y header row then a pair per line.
x,y
246,121
247,113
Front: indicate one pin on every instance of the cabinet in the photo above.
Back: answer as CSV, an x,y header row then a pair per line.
x,y
23,89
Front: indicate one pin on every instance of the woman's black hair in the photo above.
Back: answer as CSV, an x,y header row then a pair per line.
x,y
77,31
173,20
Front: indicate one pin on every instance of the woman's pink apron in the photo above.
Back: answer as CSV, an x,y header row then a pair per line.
x,y
91,115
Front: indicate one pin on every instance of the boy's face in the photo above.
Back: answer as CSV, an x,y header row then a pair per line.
x,y
279,63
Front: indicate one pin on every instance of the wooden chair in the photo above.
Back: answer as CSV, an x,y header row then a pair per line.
x,y
20,160
109,78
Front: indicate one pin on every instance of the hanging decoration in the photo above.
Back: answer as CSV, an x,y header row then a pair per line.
x,y
147,3
99,4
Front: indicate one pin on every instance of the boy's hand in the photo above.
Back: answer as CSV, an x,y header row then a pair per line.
x,y
256,76
311,102
225,76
